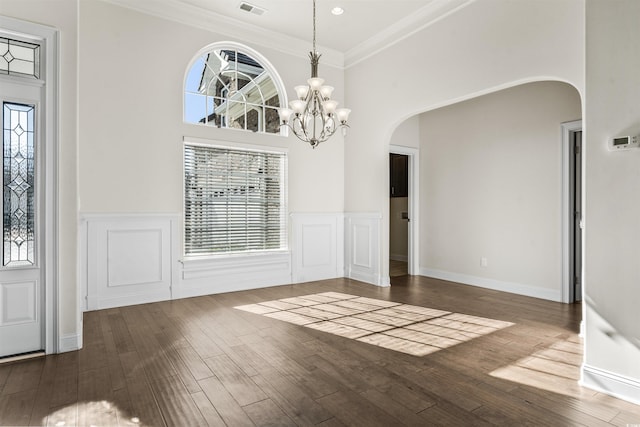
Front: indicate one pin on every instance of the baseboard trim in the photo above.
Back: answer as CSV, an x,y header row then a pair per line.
x,y
497,285
396,257
70,342
615,385
371,279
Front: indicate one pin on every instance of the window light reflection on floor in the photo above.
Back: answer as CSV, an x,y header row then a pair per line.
x,y
400,327
91,413
555,368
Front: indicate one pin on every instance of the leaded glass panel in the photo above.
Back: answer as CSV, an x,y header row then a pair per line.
x,y
19,58
18,184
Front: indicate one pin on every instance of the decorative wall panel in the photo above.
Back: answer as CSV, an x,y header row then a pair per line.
x,y
362,248
130,259
19,303
317,246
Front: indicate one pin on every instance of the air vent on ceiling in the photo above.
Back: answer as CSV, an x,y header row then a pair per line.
x,y
251,8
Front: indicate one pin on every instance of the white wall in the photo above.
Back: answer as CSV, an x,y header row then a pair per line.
x,y
612,276
62,15
407,134
485,46
131,133
491,187
131,129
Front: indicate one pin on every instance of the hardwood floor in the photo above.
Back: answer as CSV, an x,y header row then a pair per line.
x,y
397,268
199,361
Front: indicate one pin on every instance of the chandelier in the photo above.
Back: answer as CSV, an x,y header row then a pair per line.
x,y
314,116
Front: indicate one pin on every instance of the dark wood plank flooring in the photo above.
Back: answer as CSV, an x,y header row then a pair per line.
x,y
199,361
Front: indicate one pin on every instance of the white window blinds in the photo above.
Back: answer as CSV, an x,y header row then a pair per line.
x,y
234,200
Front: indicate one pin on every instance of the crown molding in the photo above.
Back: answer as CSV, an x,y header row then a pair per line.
x,y
208,20
406,27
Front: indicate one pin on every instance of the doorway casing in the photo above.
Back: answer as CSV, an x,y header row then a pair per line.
x,y
49,146
413,249
568,216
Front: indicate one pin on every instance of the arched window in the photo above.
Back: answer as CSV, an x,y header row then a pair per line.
x,y
231,86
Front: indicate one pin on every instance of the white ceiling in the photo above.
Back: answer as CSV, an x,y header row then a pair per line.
x,y
361,20
366,27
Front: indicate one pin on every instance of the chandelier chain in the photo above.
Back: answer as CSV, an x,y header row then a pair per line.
x,y
314,26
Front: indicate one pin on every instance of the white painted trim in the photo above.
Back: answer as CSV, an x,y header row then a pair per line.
x,y
208,20
363,215
70,342
433,12
567,229
369,270
272,72
194,268
123,217
49,145
232,273
482,282
413,256
204,142
615,385
94,230
197,17
301,269
88,297
372,279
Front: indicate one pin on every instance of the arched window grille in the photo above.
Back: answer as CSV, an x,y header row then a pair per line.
x,y
230,86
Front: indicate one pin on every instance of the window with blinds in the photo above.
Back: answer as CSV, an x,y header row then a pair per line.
x,y
234,200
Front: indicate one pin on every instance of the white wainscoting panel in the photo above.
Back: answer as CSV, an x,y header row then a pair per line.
x,y
318,242
231,273
362,248
135,257
129,258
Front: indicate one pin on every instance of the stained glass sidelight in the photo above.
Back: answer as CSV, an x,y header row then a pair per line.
x,y
19,58
18,223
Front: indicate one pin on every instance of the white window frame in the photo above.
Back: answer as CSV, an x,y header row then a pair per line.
x,y
255,55
284,248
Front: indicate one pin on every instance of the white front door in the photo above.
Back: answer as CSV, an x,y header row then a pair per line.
x,y
21,261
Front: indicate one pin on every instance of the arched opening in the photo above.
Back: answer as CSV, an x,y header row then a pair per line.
x,y
492,195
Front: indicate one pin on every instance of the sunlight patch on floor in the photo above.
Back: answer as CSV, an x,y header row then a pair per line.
x,y
555,368
93,413
400,327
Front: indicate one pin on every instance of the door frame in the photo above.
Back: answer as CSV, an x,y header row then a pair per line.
x,y
413,267
568,216
48,37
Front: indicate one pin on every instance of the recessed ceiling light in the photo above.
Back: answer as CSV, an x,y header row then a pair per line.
x,y
337,10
